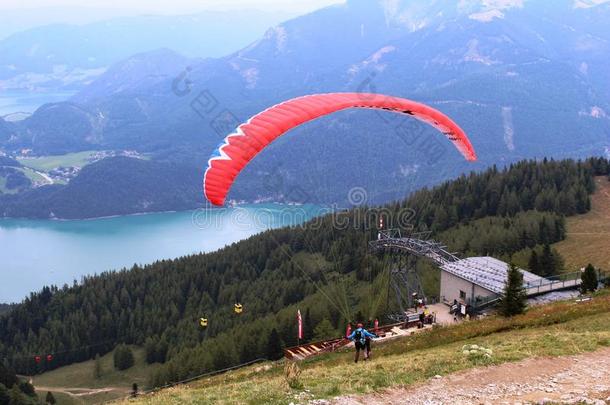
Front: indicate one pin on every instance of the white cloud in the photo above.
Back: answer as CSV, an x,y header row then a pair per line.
x,y
490,9
486,16
588,3
594,112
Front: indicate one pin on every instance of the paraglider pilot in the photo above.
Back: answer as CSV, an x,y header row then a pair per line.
x,y
359,336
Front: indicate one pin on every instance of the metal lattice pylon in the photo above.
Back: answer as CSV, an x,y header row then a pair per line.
x,y
405,282
404,279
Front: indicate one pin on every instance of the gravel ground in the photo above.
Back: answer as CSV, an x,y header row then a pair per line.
x,y
581,379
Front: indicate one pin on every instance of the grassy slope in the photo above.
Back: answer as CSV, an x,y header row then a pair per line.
x,y
80,375
552,330
47,163
588,239
32,175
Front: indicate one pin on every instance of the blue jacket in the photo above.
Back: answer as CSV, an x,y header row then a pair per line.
x,y
363,335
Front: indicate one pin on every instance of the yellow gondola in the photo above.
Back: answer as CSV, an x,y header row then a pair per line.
x,y
238,308
203,322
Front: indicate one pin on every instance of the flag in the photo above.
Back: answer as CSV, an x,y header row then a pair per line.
x,y
348,331
300,324
376,324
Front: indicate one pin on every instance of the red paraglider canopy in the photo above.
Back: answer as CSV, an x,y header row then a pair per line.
x,y
238,148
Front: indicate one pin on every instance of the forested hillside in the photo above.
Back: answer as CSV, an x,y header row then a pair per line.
x,y
322,267
14,391
112,186
4,308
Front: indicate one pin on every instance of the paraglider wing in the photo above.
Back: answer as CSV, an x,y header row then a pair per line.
x,y
241,146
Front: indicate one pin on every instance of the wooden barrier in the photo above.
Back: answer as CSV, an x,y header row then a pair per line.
x,y
307,350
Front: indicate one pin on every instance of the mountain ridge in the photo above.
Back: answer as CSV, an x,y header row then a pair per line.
x,y
44,57
528,84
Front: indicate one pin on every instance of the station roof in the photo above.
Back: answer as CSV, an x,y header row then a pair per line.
x,y
486,272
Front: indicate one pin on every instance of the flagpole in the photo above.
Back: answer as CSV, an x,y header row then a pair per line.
x,y
300,327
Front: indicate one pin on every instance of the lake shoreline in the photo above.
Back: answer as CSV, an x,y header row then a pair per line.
x,y
241,205
35,253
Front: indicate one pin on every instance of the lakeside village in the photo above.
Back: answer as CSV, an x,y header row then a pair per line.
x,y
62,174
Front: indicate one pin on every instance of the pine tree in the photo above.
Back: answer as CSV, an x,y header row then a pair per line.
x,y
27,388
4,396
589,279
547,265
274,345
123,357
150,346
16,396
583,202
307,326
50,399
97,367
162,348
534,263
513,301
323,330
7,377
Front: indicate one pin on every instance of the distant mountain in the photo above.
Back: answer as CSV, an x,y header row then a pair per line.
x,y
523,78
6,130
142,70
68,56
16,20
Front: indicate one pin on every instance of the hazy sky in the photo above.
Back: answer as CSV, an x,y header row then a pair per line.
x,y
19,15
173,6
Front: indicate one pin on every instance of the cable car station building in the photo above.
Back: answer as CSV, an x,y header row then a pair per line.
x,y
467,285
477,279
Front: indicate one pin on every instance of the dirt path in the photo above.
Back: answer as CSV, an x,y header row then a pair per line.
x,y
577,379
82,392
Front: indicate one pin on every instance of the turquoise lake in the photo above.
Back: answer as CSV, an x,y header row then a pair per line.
x,y
35,253
23,101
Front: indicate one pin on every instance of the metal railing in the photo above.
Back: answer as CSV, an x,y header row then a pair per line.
x,y
545,285
419,247
560,282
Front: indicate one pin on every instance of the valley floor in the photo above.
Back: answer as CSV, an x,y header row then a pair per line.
x,y
578,379
76,385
